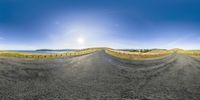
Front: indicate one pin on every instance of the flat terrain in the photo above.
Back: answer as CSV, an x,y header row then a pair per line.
x,y
100,76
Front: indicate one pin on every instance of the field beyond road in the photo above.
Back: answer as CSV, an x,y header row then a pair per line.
x,y
100,76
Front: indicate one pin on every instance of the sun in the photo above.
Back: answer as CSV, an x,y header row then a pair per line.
x,y
80,40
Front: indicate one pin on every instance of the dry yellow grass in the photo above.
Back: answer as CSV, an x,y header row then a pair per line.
x,y
194,53
56,55
137,55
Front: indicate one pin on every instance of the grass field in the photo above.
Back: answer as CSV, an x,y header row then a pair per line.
x,y
194,53
39,55
138,55
127,54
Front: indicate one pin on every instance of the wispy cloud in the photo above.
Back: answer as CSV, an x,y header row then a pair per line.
x,y
1,38
185,42
177,41
16,47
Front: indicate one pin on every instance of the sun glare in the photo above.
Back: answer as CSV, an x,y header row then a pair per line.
x,y
80,40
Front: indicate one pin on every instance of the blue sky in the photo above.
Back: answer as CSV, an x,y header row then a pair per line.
x,y
60,24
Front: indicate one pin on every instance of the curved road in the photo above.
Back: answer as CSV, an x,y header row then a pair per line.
x,y
100,76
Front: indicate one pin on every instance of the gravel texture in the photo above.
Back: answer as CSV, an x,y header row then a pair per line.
x,y
99,76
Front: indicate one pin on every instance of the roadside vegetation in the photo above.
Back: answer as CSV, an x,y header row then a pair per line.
x,y
143,50
194,53
40,55
138,54
130,54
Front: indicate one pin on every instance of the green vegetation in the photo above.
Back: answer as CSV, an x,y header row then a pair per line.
x,y
144,50
140,50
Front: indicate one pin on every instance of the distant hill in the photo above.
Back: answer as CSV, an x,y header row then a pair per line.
x,y
57,50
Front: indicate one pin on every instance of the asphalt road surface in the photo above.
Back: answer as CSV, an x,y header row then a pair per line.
x,y
100,76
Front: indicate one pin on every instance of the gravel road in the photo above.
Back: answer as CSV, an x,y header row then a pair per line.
x,y
100,76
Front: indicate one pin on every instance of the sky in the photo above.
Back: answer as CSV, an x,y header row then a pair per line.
x,y
125,24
